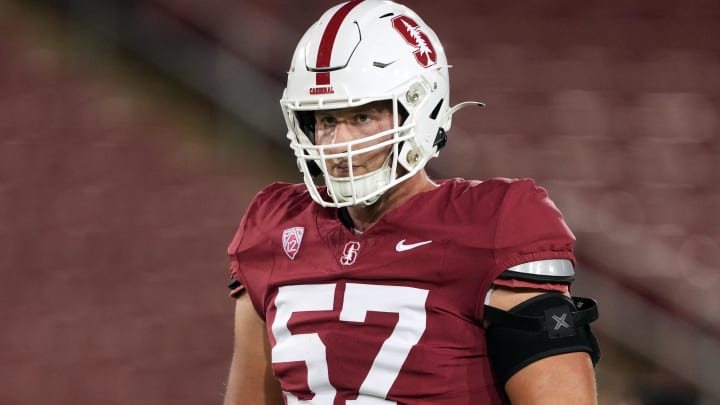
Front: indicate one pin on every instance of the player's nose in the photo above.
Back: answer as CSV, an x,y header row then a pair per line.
x,y
341,133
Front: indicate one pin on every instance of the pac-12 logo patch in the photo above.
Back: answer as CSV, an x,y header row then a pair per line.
x,y
291,239
350,253
415,36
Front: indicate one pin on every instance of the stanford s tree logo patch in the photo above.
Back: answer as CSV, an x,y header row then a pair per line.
x,y
414,35
350,253
291,239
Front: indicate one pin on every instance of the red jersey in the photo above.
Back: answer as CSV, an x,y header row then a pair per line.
x,y
393,315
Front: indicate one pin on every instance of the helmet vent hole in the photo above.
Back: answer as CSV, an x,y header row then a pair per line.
x,y
436,110
387,15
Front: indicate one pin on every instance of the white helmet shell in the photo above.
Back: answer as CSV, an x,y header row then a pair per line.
x,y
356,53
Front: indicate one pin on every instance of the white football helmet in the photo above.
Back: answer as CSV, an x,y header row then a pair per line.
x,y
356,53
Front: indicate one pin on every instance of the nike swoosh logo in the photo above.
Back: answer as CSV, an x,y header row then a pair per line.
x,y
401,246
383,65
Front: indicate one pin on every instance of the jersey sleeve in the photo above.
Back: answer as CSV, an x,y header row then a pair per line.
x,y
237,283
530,228
517,222
249,262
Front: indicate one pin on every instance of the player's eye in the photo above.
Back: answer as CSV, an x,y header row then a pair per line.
x,y
327,120
361,118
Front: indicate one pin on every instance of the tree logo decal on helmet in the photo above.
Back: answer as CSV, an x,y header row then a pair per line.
x,y
414,35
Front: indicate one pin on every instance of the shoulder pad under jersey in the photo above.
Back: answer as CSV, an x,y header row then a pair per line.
x,y
542,271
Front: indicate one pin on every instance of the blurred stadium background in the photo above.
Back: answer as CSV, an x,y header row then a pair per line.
x,y
134,133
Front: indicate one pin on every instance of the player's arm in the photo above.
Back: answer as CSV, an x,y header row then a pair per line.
x,y
559,379
251,381
539,340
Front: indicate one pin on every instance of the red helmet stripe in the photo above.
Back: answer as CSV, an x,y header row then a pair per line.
x,y
328,40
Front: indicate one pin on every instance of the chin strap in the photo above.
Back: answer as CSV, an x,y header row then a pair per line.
x,y
441,136
464,104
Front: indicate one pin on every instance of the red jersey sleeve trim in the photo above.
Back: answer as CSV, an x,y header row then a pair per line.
x,y
564,288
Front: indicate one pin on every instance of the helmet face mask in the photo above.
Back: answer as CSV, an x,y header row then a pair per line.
x,y
357,53
355,189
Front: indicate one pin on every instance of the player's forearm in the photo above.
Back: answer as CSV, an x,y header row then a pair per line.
x,y
250,380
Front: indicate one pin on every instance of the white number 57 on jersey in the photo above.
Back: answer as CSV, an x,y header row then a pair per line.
x,y
407,302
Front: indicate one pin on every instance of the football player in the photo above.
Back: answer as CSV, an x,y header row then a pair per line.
x,y
372,283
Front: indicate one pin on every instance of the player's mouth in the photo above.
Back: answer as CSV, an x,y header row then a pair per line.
x,y
342,169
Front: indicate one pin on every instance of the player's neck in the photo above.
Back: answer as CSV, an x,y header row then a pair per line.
x,y
365,216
